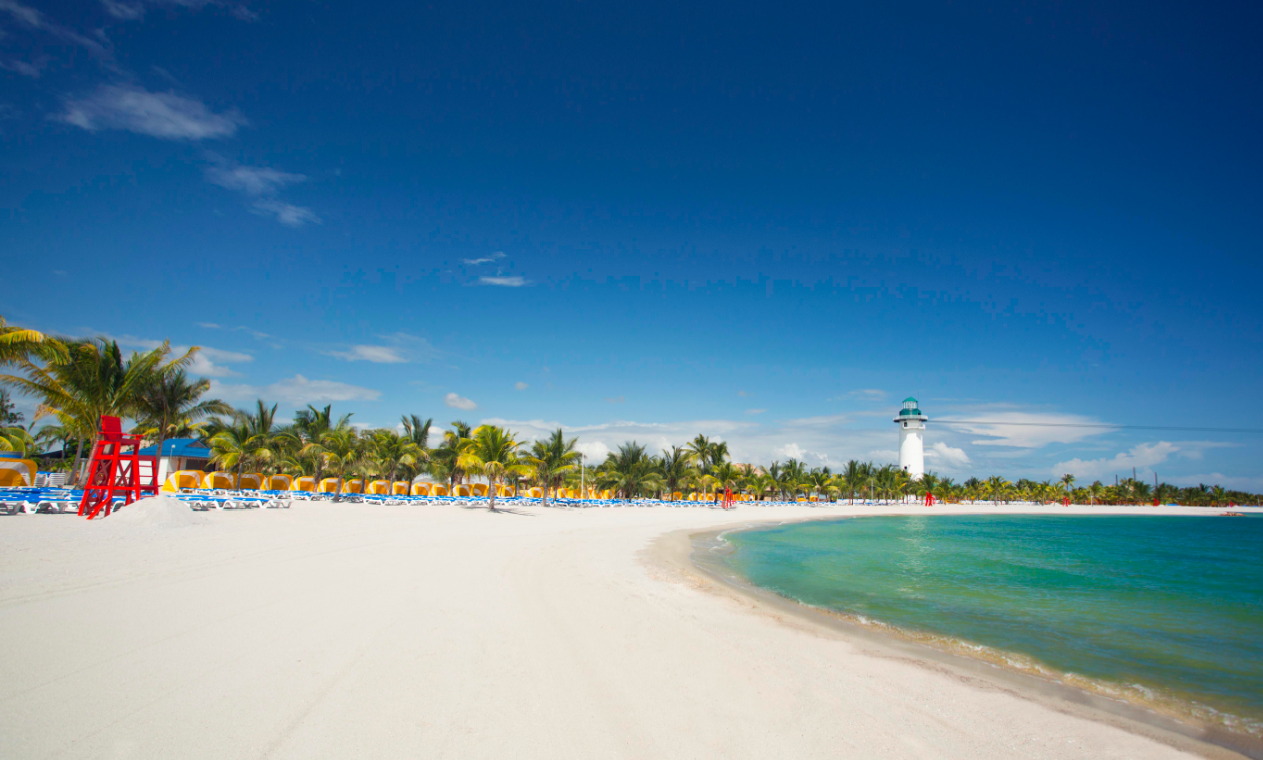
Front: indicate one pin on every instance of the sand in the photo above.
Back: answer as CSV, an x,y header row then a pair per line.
x,y
350,630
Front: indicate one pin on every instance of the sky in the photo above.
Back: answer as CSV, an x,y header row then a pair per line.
x,y
768,223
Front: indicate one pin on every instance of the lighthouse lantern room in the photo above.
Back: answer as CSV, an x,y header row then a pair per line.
x,y
911,424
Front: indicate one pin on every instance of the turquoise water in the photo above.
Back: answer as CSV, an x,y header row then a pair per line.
x,y
1168,610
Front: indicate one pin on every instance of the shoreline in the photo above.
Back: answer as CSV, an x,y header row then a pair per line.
x,y
682,554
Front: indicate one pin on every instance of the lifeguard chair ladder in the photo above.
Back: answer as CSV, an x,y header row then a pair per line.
x,y
117,468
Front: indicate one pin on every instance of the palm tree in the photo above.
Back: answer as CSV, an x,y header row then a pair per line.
x,y
673,465
339,450
170,397
493,453
855,475
630,470
392,451
16,438
93,381
417,430
18,345
551,459
447,456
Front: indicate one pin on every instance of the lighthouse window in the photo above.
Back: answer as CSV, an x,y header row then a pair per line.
x,y
905,424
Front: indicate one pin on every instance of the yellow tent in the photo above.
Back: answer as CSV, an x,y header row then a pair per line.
x,y
353,486
251,481
329,485
438,489
379,488
399,488
537,493
420,489
607,494
305,483
504,491
462,490
677,496
480,489
277,483
16,473
218,480
183,479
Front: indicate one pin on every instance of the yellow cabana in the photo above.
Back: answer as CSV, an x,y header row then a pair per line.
x,y
462,490
379,488
16,473
607,494
277,483
218,480
252,481
438,489
504,491
480,489
329,485
537,493
677,496
183,479
399,488
353,486
421,489
305,483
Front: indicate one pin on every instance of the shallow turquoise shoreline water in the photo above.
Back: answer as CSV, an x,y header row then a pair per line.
x,y
1165,609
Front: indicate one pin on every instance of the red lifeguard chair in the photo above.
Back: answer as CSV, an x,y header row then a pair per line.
x,y
117,468
929,499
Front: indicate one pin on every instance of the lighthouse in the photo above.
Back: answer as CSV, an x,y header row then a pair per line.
x,y
911,424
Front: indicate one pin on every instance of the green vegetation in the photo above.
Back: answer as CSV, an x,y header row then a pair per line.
x,y
75,381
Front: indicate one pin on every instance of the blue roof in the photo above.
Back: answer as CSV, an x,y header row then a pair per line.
x,y
179,447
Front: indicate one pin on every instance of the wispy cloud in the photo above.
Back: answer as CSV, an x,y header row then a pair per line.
x,y
871,394
374,354
456,401
164,115
508,282
31,70
207,362
520,386
615,400
286,213
947,455
755,411
34,19
261,183
134,10
397,348
744,394
251,180
1019,429
296,390
486,259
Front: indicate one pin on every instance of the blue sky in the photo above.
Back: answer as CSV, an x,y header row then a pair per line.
x,y
768,223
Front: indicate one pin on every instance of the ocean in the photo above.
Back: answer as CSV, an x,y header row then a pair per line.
x,y
1165,611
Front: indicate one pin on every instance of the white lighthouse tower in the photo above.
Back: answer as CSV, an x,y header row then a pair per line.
x,y
911,424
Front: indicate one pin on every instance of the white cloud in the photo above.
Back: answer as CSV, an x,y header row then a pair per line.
x,y
459,402
615,400
744,394
207,362
297,390
401,348
24,68
884,456
593,451
521,386
157,114
1142,457
208,325
508,282
872,394
1230,482
34,19
485,259
134,10
1025,430
286,213
755,411
375,354
251,180
949,456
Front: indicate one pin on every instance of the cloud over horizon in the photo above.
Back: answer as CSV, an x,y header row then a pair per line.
x,y
164,115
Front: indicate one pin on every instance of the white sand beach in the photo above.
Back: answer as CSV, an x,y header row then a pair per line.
x,y
352,630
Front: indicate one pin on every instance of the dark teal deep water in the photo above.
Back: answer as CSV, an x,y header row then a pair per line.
x,y
1168,608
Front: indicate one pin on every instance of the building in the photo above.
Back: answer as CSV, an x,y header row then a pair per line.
x,y
179,454
911,424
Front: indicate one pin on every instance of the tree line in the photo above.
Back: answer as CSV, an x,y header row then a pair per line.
x,y
76,381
